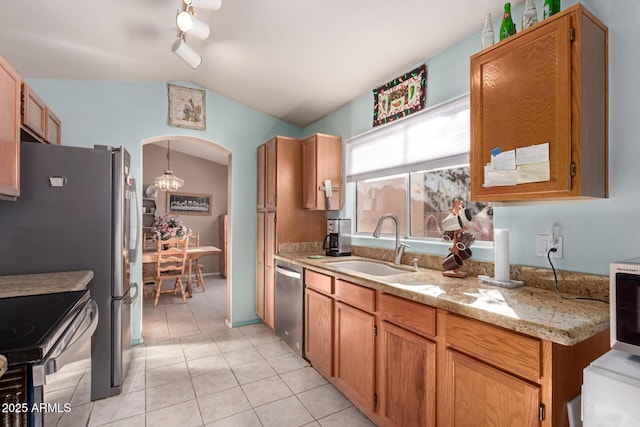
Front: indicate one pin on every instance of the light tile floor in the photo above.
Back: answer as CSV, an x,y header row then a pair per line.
x,y
192,370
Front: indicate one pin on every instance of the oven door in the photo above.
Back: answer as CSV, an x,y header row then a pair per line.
x,y
77,334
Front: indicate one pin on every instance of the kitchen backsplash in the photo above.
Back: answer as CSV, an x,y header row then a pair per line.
x,y
579,284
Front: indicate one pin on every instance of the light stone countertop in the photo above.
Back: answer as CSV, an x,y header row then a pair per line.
x,y
536,312
44,283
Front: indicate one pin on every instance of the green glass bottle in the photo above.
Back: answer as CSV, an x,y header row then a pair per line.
x,y
547,9
550,7
506,27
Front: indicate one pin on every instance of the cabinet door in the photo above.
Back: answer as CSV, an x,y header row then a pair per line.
x,y
9,130
269,271
479,395
34,112
321,160
271,171
319,331
521,96
260,265
54,128
260,177
354,355
269,297
408,378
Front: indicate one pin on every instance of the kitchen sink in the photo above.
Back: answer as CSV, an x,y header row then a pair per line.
x,y
368,267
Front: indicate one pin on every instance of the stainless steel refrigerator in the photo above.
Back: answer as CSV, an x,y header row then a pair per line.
x,y
73,213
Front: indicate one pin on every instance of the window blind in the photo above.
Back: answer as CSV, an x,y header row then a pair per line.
x,y
433,138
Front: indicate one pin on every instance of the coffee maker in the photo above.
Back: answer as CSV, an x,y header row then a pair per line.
x,y
338,241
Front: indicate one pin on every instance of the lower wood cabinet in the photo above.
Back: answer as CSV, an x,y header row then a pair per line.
x,y
403,363
479,395
354,371
13,393
319,331
407,367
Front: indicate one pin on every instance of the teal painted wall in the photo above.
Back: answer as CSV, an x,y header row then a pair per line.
x,y
596,232
126,113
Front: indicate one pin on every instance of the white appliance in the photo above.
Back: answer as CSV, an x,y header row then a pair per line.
x,y
611,391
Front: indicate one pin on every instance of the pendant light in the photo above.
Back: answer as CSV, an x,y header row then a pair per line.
x,y
168,181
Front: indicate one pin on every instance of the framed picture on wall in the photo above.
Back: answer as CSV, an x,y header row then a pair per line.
x,y
189,204
187,107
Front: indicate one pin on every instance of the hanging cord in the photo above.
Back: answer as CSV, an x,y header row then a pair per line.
x,y
555,278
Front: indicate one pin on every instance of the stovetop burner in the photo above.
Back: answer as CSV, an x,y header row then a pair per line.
x,y
14,331
31,325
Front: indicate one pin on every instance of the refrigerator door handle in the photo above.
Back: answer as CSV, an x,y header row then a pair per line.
x,y
133,253
132,299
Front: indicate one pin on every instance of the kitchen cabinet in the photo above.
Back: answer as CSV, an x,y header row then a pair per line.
x,y
54,128
39,123
9,130
406,363
279,186
545,85
318,328
34,112
481,395
354,341
322,160
407,366
504,377
260,265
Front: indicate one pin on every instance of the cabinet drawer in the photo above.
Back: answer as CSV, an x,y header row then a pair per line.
x,y
506,350
411,315
318,281
356,295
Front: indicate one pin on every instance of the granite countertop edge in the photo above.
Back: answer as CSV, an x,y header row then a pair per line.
x,y
532,311
44,283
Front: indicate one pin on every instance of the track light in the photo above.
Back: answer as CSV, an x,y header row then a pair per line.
x,y
185,53
187,23
204,4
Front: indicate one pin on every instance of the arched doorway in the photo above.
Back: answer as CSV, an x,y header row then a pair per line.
x,y
205,167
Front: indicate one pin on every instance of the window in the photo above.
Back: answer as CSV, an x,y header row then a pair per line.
x,y
414,169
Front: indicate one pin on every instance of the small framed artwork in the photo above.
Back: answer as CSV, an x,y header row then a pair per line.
x,y
187,107
189,203
401,96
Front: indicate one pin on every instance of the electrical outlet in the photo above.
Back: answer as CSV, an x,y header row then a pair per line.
x,y
558,244
544,242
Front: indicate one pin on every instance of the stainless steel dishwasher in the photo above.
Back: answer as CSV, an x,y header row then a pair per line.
x,y
289,305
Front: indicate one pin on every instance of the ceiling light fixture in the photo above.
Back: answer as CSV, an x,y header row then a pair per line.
x,y
168,181
187,23
184,52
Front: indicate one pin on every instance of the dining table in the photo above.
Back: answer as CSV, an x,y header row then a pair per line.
x,y
150,256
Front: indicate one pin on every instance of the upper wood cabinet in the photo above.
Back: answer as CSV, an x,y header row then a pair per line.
x,y
547,84
34,112
39,123
53,129
322,160
9,130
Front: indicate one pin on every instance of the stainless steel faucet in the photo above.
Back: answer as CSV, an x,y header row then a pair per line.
x,y
399,250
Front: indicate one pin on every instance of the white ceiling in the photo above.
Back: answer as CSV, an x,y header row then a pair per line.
x,y
297,60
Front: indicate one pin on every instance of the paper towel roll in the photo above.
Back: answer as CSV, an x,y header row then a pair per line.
x,y
501,254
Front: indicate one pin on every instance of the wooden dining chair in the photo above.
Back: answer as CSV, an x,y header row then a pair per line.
x,y
194,265
148,269
172,259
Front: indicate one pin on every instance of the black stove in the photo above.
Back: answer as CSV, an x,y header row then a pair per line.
x,y
31,325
